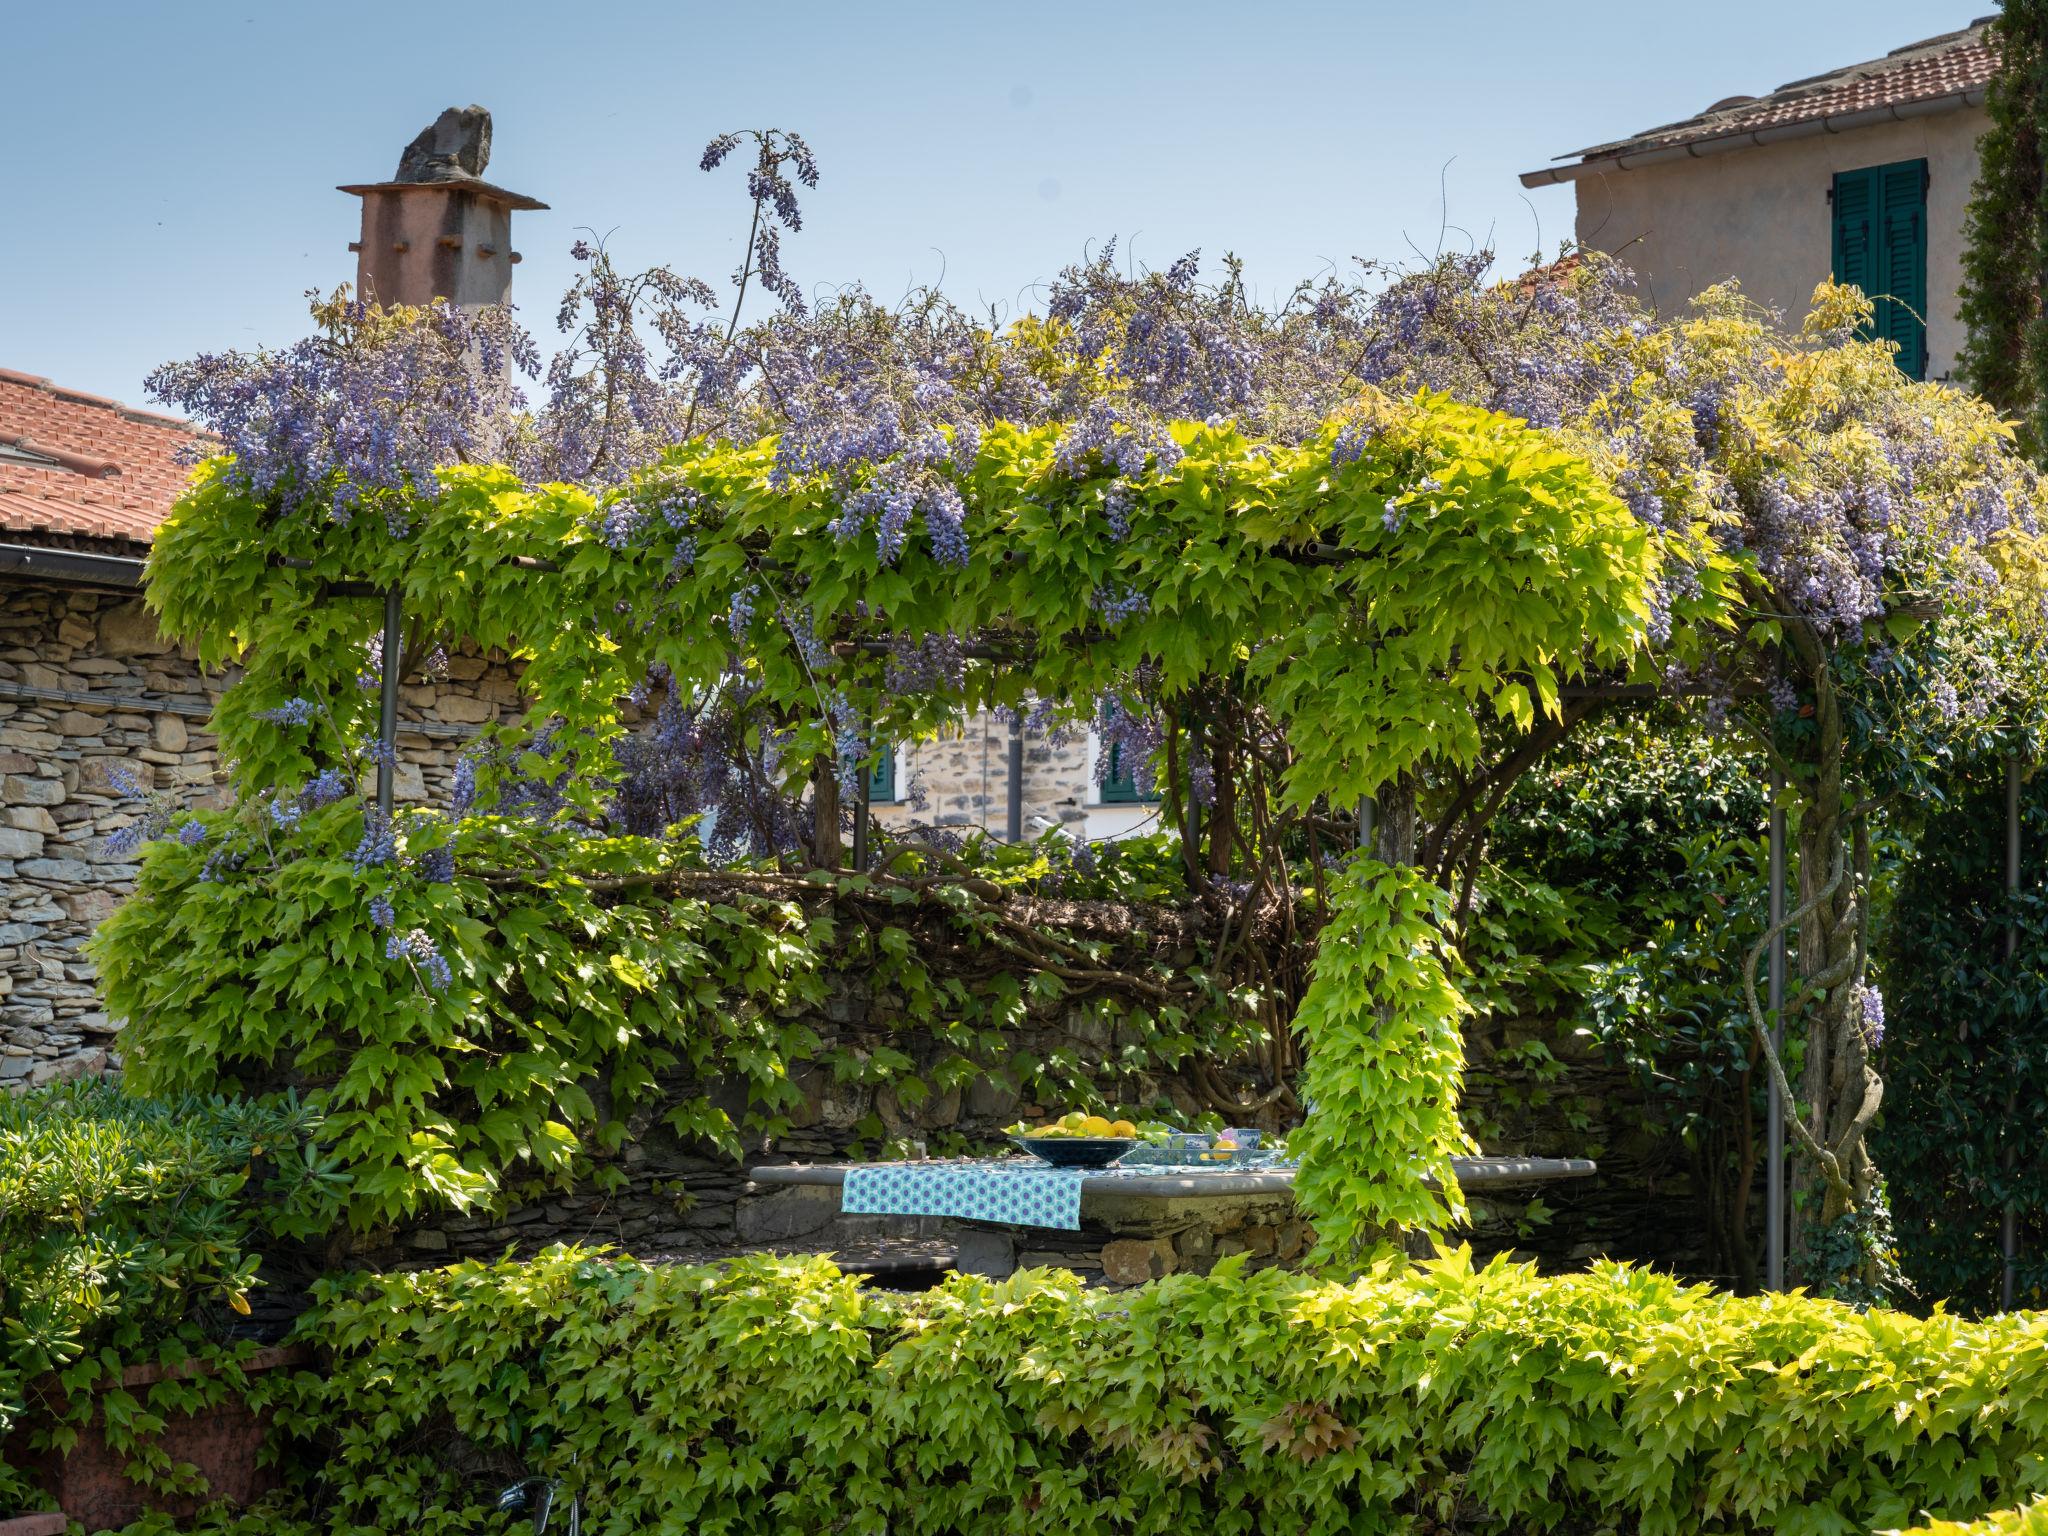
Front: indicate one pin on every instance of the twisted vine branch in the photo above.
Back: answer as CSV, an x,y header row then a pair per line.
x,y
1828,1158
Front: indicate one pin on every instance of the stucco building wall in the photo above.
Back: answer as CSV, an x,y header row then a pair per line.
x,y
1761,214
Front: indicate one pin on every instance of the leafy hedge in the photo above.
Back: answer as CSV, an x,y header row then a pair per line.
x,y
128,1232
2030,1520
781,1395
1965,1127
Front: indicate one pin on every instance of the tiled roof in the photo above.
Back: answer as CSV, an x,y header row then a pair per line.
x,y
1550,274
1940,71
75,466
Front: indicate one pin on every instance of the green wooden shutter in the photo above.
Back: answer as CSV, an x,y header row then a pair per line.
x,y
1902,263
1119,785
1880,245
1856,229
882,777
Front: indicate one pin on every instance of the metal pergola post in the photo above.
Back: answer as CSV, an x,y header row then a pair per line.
x,y
2009,1223
1774,1158
387,704
1014,807
863,798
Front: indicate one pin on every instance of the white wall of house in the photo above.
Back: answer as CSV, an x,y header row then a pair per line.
x,y
1761,215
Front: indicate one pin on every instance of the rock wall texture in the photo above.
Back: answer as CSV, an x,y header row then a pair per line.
x,y
1643,1205
90,692
962,779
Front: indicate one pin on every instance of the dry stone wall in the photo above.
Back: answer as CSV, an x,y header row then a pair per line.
x,y
90,691
962,779
682,1197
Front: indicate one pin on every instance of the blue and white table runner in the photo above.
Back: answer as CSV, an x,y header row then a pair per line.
x,y
1019,1193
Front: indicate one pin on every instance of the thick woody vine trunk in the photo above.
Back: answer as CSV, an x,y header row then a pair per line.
x,y
1393,840
1839,1091
1222,804
826,849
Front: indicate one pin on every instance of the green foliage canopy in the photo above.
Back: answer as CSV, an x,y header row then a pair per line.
x,y
1387,605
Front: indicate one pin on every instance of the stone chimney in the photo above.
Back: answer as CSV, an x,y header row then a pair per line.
x,y
438,230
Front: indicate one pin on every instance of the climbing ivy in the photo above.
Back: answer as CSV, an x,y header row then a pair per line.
x,y
2004,356
1966,1050
593,977
1386,1056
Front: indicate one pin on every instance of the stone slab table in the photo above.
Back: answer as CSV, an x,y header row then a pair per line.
x,y
1137,1227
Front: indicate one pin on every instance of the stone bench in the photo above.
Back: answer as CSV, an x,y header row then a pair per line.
x,y
1135,1229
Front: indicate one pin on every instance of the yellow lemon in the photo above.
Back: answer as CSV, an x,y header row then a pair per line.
x,y
1095,1125
1123,1128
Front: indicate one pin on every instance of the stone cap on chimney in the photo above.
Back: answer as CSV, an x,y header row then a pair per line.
x,y
483,189
451,151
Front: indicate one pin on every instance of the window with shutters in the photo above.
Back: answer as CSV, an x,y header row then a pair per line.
x,y
882,777
1880,245
1119,784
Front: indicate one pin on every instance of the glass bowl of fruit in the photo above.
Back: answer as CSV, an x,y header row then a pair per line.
x,y
1077,1140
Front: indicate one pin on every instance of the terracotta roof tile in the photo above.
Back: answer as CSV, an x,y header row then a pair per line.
x,y
1922,72
77,465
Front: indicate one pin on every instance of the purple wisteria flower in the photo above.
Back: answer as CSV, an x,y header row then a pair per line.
x,y
364,411
419,951
932,664
379,844
462,786
1129,741
1117,604
291,712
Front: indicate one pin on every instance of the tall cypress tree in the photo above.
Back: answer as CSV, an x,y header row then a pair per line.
x,y
2005,262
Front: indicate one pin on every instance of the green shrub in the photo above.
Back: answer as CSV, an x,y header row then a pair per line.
x,y
126,1233
2031,1520
1965,1126
1627,880
780,1395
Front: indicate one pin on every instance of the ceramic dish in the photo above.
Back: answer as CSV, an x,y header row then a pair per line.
x,y
1076,1151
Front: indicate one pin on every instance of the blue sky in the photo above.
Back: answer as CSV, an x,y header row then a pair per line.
x,y
168,170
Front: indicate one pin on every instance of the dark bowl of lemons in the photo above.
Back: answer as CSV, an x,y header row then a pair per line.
x,y
1076,1140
